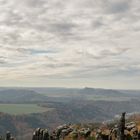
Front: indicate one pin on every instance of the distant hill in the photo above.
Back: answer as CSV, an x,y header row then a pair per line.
x,y
65,94
86,91
105,92
21,95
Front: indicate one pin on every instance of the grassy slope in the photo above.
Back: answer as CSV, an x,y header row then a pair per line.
x,y
17,109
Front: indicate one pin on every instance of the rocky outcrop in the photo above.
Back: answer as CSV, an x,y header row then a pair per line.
x,y
7,137
121,131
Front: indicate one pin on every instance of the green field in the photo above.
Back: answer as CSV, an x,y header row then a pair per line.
x,y
18,109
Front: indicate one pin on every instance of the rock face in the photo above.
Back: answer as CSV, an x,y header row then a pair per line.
x,y
7,137
125,131
40,134
121,127
121,131
61,133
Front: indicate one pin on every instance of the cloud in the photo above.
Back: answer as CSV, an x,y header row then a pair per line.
x,y
101,54
64,28
69,39
2,61
118,6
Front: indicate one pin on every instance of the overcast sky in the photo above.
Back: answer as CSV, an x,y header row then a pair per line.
x,y
70,43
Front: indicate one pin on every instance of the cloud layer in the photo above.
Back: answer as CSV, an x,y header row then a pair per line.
x,y
63,43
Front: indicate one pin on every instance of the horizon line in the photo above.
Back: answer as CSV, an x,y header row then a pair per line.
x,y
65,87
